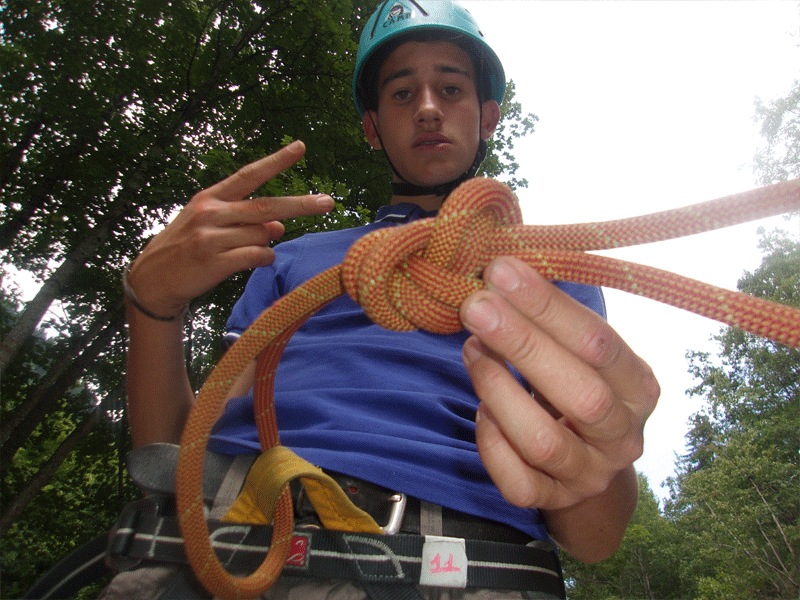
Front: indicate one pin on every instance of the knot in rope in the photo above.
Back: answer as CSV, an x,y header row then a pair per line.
x,y
417,276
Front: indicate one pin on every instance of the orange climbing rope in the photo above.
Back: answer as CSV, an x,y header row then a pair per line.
x,y
417,275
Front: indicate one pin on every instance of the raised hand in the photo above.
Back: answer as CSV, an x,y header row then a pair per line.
x,y
218,233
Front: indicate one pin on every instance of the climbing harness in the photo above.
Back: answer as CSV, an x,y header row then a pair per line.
x,y
386,565
416,276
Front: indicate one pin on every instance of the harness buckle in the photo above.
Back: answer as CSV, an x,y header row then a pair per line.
x,y
397,513
123,535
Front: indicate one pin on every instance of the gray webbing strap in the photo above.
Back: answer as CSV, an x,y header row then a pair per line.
x,y
430,518
231,485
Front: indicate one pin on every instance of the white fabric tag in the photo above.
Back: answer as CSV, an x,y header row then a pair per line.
x,y
444,562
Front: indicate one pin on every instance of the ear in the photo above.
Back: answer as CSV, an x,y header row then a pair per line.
x,y
368,122
490,117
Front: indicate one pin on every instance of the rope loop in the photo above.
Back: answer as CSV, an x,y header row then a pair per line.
x,y
417,276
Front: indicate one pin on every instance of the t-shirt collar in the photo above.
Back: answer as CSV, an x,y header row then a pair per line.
x,y
403,212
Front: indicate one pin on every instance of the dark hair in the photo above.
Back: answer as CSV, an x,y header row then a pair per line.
x,y
368,84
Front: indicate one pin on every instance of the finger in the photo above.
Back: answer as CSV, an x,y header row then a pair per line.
x,y
243,247
252,176
536,440
275,230
247,257
519,484
569,383
259,235
580,330
262,210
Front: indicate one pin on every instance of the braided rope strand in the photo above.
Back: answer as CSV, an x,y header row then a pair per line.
x,y
416,276
272,329
727,211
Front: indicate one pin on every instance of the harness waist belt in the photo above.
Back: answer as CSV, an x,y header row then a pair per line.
x,y
141,536
153,467
377,501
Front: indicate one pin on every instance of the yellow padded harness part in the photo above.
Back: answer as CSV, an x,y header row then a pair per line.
x,y
269,475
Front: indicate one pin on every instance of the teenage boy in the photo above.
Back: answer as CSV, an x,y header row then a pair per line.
x,y
546,449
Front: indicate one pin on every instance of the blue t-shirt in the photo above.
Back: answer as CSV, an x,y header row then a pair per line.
x,y
393,408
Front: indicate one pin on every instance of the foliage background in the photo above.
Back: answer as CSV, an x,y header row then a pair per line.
x,y
114,113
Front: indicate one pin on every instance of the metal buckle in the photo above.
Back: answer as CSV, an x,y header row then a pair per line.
x,y
396,515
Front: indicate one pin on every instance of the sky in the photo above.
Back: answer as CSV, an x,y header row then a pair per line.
x,y
646,106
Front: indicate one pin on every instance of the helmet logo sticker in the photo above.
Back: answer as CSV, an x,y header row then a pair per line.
x,y
397,13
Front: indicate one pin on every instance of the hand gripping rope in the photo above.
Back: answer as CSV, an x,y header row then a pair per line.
x,y
416,276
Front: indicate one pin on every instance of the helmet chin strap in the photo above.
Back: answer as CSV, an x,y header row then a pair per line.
x,y
405,188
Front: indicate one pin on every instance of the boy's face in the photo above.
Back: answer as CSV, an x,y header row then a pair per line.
x,y
428,116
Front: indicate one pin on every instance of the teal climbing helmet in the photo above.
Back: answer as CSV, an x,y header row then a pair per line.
x,y
396,18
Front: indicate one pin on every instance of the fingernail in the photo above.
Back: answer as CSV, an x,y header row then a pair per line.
x,y
503,276
480,315
296,147
325,202
472,350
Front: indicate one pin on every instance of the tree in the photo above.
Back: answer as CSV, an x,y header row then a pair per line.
x,y
736,495
64,483
114,113
644,565
780,127
513,125
133,102
729,529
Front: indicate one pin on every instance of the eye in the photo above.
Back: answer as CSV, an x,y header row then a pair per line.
x,y
450,90
401,95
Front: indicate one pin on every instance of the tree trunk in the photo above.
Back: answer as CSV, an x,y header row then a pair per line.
x,y
36,308
55,392
46,472
77,352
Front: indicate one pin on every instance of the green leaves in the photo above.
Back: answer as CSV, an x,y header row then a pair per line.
x,y
737,493
500,162
644,565
779,160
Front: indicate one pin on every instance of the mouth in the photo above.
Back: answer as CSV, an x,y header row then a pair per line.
x,y
429,140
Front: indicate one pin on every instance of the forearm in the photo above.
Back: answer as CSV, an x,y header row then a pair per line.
x,y
159,393
593,529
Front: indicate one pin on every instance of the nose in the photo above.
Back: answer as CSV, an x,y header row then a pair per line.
x,y
428,110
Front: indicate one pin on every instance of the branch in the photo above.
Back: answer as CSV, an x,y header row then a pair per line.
x,y
774,517
772,547
758,561
76,351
